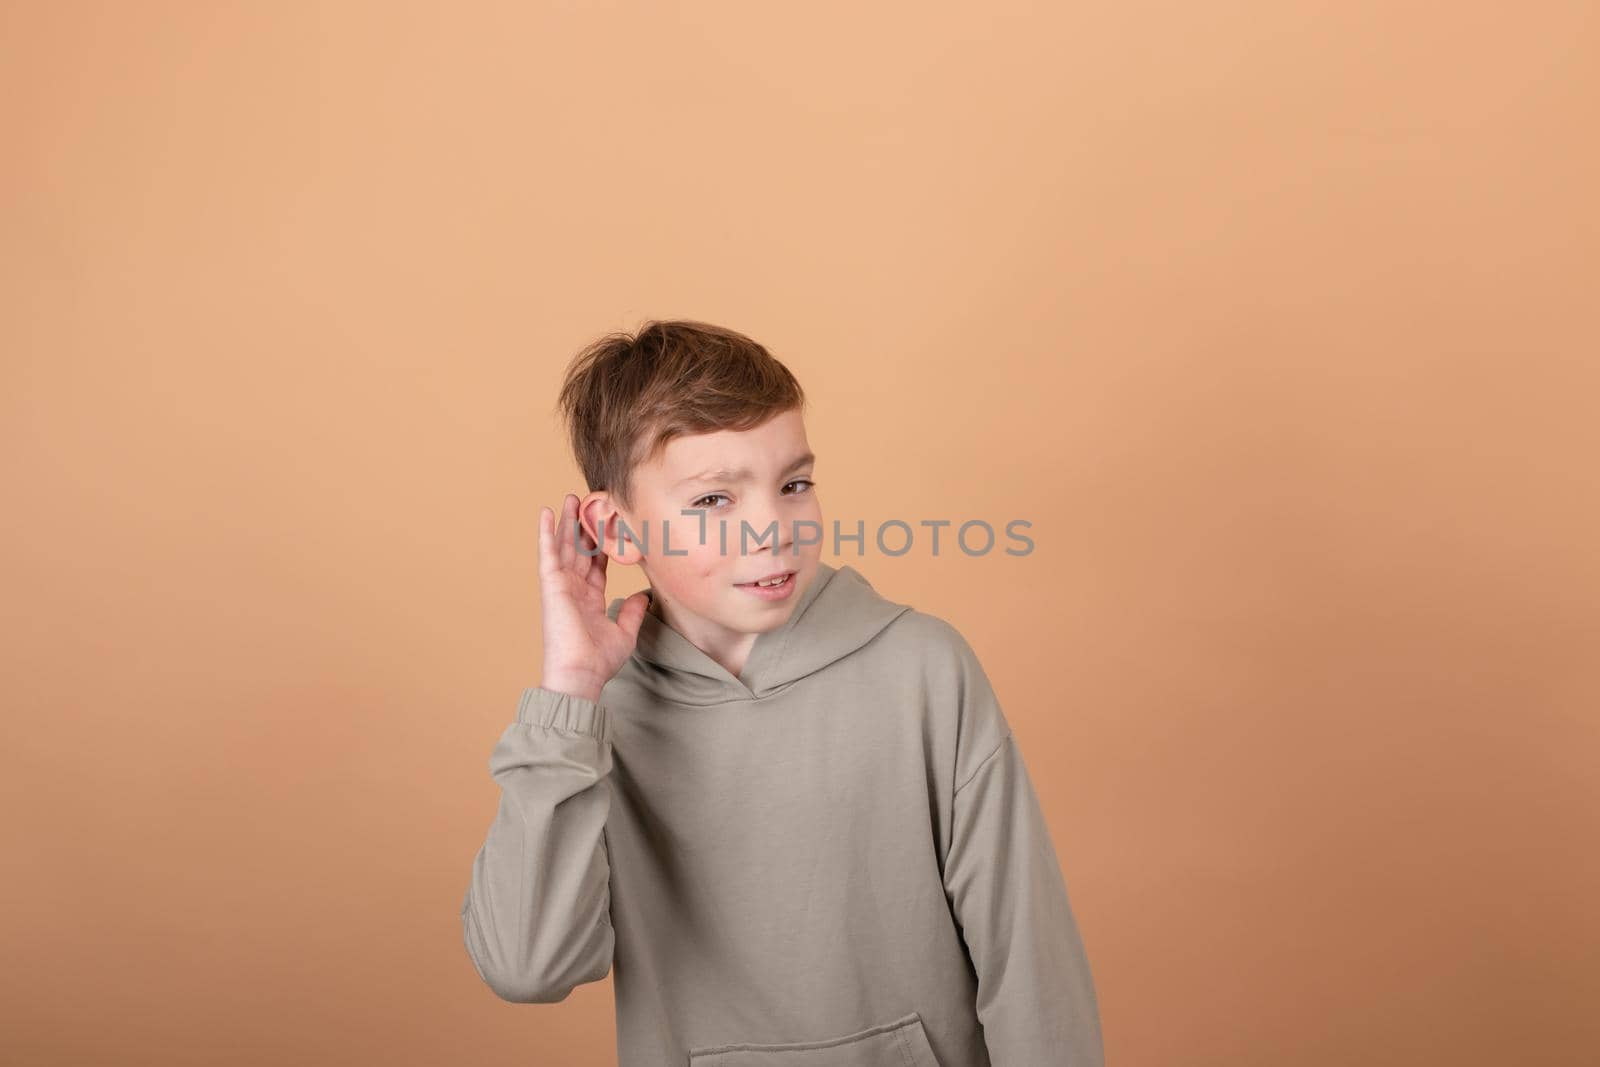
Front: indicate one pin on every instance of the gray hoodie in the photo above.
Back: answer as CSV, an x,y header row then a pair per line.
x,y
835,859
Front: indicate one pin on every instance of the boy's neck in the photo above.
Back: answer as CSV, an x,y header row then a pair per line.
x,y
728,649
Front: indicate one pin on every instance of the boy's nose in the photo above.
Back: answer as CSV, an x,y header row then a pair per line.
x,y
766,533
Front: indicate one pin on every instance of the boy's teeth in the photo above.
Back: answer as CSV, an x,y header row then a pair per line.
x,y
774,581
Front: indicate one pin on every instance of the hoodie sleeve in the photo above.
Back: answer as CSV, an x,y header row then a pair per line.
x,y
1036,996
536,917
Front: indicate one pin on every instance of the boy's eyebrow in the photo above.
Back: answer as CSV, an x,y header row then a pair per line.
x,y
742,474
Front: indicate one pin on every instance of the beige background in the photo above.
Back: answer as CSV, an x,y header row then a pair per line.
x,y
1278,321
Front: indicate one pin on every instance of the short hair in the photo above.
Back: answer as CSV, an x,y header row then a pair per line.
x,y
625,396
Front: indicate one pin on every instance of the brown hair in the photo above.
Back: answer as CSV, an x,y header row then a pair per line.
x,y
625,396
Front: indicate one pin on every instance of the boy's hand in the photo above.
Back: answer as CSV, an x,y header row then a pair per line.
x,y
583,647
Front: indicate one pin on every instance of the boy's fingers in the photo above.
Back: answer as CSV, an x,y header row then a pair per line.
x,y
597,568
564,550
546,559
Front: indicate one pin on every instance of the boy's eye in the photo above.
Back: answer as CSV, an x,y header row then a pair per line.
x,y
702,502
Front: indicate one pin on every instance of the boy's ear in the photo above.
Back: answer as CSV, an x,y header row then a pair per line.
x,y
596,508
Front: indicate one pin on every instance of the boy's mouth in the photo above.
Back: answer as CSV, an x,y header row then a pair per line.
x,y
771,581
774,587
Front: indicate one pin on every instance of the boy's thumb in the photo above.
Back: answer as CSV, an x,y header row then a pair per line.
x,y
631,615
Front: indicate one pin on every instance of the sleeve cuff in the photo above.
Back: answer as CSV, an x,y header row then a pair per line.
x,y
564,711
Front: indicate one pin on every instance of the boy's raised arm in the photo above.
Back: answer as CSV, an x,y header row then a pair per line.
x,y
536,917
1036,995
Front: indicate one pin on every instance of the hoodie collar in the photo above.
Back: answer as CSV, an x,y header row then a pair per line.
x,y
837,613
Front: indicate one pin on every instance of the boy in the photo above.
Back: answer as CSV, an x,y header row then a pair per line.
x,y
790,818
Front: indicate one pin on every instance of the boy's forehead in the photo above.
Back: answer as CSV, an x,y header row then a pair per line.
x,y
775,442
717,448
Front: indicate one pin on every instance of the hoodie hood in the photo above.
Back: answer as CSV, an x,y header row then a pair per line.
x,y
835,615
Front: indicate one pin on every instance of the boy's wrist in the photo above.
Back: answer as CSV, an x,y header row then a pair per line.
x,y
573,683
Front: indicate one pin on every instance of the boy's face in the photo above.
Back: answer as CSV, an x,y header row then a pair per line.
x,y
724,480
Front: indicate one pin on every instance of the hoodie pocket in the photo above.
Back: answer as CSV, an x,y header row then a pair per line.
x,y
901,1043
